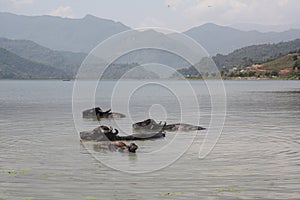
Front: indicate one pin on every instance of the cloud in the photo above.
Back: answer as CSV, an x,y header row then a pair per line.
x,y
19,2
13,4
62,11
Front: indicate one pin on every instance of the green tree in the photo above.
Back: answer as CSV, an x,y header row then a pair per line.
x,y
251,73
295,57
267,73
274,73
296,65
222,73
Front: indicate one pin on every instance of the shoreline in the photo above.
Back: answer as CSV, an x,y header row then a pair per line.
x,y
189,79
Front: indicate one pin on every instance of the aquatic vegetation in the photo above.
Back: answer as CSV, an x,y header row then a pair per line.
x,y
226,189
14,172
48,175
10,171
90,198
27,198
3,196
170,194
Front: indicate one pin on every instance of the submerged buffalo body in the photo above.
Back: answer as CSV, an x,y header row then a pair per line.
x,y
147,125
151,125
118,146
97,113
103,133
122,147
182,127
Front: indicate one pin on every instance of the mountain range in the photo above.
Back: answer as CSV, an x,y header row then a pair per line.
x,y
60,45
77,35
82,35
220,39
13,66
68,62
255,54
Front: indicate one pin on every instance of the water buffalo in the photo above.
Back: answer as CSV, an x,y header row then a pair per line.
x,y
122,147
147,125
105,147
98,113
151,125
103,133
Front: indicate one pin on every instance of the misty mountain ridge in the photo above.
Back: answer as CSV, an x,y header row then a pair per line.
x,y
223,40
35,37
255,54
82,35
262,28
17,55
77,35
68,62
13,66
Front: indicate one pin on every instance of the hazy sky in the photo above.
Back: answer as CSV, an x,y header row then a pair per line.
x,y
174,14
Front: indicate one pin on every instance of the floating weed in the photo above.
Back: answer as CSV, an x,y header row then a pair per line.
x,y
169,194
48,175
27,198
2,196
15,172
90,198
226,189
10,171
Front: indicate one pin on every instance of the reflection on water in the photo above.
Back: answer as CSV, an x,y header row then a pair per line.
x,y
257,156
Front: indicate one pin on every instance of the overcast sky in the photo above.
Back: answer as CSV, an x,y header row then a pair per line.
x,y
178,15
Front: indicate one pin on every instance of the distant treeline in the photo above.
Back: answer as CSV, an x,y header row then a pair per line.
x,y
255,54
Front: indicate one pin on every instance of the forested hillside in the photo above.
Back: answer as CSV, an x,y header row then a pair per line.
x,y
13,66
69,62
255,54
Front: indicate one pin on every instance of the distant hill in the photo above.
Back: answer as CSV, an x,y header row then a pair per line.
x,y
77,35
255,54
13,66
82,35
269,57
64,60
289,61
149,55
223,40
69,62
285,67
128,71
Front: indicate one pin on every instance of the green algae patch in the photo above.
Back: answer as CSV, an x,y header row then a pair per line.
x,y
169,194
27,198
48,175
14,172
226,189
90,198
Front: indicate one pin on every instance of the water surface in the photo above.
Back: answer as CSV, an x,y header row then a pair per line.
x,y
256,157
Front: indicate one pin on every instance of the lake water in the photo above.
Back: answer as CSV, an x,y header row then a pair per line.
x,y
256,157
